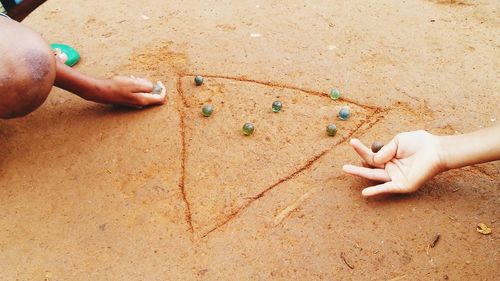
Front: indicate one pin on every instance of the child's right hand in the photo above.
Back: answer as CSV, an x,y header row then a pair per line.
x,y
128,91
403,165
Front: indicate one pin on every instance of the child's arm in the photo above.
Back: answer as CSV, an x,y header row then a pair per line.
x,y
126,91
412,158
29,70
469,149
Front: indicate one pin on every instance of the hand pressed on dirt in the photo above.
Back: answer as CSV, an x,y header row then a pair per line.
x,y
403,165
128,91
119,90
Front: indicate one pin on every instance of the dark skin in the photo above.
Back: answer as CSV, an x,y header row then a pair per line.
x,y
29,70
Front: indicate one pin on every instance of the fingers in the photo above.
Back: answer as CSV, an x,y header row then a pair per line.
x,y
142,85
388,187
364,152
143,88
148,98
368,173
387,152
138,85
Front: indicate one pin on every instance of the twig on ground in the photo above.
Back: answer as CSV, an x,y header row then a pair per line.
x,y
285,212
435,240
342,256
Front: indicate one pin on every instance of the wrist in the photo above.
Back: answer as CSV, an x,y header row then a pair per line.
x,y
445,144
469,149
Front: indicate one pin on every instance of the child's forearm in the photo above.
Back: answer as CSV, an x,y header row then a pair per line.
x,y
75,82
472,148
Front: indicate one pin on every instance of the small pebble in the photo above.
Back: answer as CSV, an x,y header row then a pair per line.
x,y
331,130
248,129
207,110
335,94
376,146
344,113
277,106
198,80
157,89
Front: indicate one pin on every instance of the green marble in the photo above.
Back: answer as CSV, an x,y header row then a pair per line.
x,y
198,80
157,89
335,94
207,110
331,130
277,105
248,129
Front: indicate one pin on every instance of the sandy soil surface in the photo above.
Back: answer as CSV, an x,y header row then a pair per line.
x,y
91,192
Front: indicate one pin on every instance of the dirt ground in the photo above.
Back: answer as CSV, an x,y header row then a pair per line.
x,y
92,192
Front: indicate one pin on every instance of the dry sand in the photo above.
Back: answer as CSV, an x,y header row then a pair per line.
x,y
91,192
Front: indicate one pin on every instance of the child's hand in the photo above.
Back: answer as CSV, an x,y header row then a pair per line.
x,y
403,165
128,91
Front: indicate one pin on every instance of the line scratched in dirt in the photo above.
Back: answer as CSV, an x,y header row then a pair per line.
x,y
182,181
369,121
301,169
282,86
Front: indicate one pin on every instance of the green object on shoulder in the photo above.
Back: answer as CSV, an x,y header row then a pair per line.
x,y
70,52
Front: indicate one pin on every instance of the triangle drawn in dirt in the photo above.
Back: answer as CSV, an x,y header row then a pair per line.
x,y
225,170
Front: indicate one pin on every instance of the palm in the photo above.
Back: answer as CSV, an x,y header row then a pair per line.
x,y
398,171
